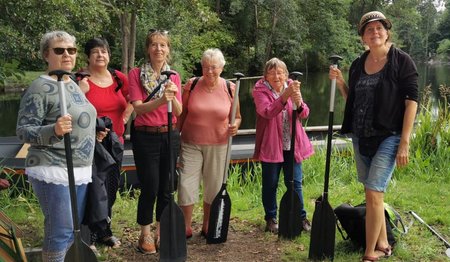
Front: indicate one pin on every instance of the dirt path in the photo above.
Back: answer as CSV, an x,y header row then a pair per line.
x,y
246,242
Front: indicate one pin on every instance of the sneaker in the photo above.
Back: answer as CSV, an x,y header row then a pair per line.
x,y
272,226
306,225
146,244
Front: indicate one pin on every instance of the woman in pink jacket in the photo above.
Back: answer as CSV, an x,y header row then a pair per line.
x,y
274,96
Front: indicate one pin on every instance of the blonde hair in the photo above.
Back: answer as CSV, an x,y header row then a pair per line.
x,y
152,35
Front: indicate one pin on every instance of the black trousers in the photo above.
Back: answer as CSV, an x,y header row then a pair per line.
x,y
151,157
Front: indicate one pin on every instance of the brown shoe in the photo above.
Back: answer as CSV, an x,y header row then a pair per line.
x,y
306,225
146,244
157,242
272,225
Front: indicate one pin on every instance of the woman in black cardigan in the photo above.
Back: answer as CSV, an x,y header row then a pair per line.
x,y
381,104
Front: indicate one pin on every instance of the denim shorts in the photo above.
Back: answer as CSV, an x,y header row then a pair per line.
x,y
376,172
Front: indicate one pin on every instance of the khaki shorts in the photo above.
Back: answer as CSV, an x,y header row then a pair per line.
x,y
200,162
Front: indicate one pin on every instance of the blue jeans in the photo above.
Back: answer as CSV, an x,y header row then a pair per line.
x,y
376,172
270,177
58,223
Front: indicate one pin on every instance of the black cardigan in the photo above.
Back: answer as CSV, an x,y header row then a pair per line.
x,y
399,82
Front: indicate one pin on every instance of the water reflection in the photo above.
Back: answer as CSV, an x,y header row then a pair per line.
x,y
315,90
8,117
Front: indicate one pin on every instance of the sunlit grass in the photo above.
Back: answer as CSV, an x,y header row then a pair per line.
x,y
422,186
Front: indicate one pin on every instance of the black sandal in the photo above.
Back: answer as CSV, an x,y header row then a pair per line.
x,y
111,241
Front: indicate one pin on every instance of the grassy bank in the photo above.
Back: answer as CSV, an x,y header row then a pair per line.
x,y
422,186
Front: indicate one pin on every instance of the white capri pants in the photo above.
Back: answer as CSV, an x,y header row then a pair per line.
x,y
200,162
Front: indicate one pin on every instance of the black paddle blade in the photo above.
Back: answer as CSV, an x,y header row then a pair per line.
x,y
219,217
173,235
80,251
323,231
290,222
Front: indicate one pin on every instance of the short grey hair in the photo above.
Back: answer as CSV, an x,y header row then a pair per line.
x,y
213,54
275,63
48,37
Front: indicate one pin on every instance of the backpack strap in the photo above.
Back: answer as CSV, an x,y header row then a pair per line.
x,y
194,83
229,89
117,78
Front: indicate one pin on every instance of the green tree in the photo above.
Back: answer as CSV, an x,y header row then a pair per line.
x,y
22,24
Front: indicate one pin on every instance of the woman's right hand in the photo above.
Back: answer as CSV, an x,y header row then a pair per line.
x,y
335,73
63,125
292,89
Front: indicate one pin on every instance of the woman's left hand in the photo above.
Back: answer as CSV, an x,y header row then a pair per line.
x,y
297,98
170,91
402,157
84,85
232,130
102,134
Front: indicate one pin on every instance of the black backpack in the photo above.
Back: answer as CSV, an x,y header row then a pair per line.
x,y
352,220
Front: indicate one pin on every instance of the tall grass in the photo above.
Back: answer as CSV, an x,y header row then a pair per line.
x,y
422,186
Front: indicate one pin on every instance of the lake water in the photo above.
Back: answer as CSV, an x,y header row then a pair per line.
x,y
315,91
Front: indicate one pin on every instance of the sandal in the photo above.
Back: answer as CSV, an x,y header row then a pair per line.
x,y
157,242
94,249
111,241
369,258
387,251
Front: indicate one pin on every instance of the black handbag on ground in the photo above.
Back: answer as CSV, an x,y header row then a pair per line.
x,y
352,220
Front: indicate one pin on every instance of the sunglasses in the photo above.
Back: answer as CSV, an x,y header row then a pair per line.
x,y
153,31
60,50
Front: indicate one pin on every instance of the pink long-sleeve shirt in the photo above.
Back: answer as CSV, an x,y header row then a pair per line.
x,y
269,127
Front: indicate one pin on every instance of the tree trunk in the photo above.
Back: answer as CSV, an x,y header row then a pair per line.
x,y
256,31
272,32
132,44
218,8
124,26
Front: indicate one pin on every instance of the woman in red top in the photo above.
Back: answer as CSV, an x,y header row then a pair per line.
x,y
107,90
149,136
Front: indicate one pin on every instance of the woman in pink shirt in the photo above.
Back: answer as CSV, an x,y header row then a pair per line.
x,y
274,96
149,135
204,137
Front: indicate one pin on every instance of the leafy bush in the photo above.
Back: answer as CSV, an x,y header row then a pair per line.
x,y
9,70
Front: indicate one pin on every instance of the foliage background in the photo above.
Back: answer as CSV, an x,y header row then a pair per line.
x,y
301,32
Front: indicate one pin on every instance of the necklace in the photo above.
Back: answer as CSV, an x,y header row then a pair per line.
x,y
211,89
376,60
